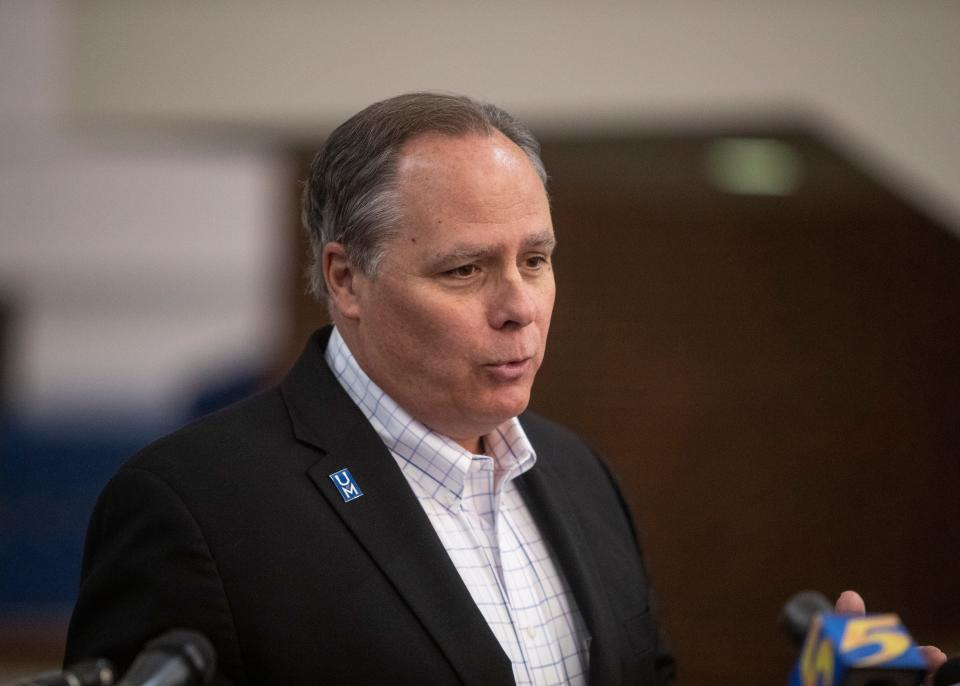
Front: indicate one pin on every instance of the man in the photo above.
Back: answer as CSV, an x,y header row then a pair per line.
x,y
390,513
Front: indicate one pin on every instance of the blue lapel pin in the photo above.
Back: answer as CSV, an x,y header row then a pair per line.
x,y
344,482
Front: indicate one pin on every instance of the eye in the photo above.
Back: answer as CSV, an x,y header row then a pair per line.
x,y
463,272
537,261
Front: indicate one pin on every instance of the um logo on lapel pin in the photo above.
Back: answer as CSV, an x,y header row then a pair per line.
x,y
344,482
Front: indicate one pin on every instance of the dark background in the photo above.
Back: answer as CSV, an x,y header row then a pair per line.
x,y
776,381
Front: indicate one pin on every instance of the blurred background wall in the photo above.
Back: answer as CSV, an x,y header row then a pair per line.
x,y
149,268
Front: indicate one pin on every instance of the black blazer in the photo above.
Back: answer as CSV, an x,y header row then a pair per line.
x,y
232,526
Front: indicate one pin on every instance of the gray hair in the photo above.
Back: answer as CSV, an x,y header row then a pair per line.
x,y
349,196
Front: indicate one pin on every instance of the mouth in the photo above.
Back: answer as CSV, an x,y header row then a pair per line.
x,y
509,370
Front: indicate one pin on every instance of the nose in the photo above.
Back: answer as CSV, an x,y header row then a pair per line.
x,y
513,303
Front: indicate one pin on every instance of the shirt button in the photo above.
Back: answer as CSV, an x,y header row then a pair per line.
x,y
531,632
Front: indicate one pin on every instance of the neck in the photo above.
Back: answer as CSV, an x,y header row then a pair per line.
x,y
472,445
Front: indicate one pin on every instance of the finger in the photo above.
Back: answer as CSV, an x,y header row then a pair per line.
x,y
934,658
850,602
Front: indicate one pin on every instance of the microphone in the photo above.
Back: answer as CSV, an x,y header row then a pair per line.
x,y
848,650
97,672
948,674
798,614
180,657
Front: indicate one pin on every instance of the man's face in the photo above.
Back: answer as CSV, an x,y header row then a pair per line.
x,y
454,324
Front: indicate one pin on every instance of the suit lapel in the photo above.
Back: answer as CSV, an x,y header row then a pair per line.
x,y
554,513
387,520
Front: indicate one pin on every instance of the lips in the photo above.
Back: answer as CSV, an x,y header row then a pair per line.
x,y
509,370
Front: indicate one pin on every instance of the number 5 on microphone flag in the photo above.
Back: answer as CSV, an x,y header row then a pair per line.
x,y
854,650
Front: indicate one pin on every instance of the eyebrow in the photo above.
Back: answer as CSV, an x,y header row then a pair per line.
x,y
542,240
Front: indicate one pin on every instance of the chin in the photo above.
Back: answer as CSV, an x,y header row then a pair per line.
x,y
506,408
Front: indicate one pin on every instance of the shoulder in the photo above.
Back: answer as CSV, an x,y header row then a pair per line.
x,y
564,450
260,430
580,471
225,440
541,429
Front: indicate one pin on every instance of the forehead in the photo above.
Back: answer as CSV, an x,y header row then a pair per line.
x,y
447,151
474,178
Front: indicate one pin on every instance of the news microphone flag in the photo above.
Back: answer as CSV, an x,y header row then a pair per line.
x,y
858,650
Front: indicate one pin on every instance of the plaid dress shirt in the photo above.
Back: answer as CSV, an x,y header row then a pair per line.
x,y
486,528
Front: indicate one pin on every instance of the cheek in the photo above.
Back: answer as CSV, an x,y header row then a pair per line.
x,y
546,310
436,334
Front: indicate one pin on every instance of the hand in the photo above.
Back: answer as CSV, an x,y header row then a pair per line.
x,y
850,602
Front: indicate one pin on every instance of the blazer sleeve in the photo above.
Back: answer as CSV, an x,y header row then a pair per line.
x,y
147,569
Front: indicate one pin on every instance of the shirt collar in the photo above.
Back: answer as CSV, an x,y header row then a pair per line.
x,y
437,461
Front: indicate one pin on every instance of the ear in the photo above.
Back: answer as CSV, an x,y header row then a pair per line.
x,y
340,277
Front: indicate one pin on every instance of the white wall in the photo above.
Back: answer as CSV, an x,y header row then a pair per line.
x,y
133,267
881,74
138,262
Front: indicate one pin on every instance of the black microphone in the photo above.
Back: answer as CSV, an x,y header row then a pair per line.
x,y
846,649
948,674
180,657
97,672
798,613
